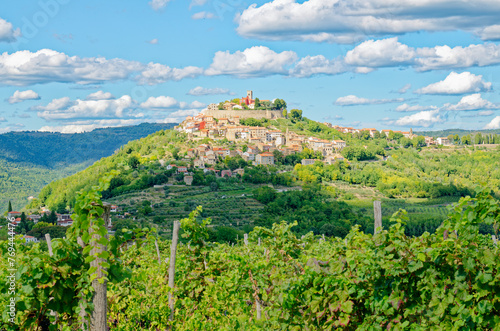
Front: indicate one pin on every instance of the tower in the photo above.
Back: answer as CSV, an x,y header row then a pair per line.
x,y
250,95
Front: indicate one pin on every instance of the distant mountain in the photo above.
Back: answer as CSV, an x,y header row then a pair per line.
x,y
460,132
29,160
58,150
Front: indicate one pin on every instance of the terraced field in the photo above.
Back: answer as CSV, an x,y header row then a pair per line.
x,y
231,205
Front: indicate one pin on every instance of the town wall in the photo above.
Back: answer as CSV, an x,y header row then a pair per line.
x,y
258,114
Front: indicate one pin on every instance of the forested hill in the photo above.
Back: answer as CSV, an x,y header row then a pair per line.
x,y
56,150
31,160
460,132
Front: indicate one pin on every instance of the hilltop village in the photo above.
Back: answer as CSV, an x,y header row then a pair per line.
x,y
260,141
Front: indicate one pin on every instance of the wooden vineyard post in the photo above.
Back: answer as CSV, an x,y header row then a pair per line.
x,y
49,243
259,309
85,325
377,211
495,240
171,269
98,320
245,238
158,251
51,253
259,241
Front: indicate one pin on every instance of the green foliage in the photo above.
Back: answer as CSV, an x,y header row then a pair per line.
x,y
31,160
55,231
310,209
125,160
264,194
442,281
42,224
279,104
296,114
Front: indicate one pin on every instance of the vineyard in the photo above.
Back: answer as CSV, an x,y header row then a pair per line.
x,y
270,280
231,205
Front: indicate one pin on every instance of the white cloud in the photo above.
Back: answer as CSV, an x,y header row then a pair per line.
x,y
65,109
7,31
422,119
352,100
164,102
56,104
153,41
43,66
195,3
203,15
315,65
407,108
197,104
455,83
158,4
159,102
100,95
12,127
156,73
179,116
257,61
20,96
392,53
2,119
404,89
445,57
494,124
490,33
380,53
209,91
347,21
470,103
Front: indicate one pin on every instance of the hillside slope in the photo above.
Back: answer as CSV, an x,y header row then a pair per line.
x,y
31,160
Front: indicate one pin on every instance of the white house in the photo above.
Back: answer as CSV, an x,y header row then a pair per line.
x,y
29,239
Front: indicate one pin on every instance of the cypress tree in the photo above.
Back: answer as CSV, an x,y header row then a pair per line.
x,y
10,207
53,218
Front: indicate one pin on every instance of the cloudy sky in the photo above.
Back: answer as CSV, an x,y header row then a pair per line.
x,y
71,66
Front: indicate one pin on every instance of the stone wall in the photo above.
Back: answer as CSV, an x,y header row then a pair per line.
x,y
258,114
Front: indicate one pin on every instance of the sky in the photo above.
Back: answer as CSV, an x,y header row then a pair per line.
x,y
72,66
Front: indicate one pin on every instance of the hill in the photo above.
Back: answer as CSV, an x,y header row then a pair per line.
x,y
460,132
399,171
29,160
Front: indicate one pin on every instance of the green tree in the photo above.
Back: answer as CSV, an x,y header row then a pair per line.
x,y
478,139
256,103
285,113
41,225
278,157
225,234
264,194
466,140
279,104
133,162
214,186
314,126
419,141
52,218
296,114
10,207
61,207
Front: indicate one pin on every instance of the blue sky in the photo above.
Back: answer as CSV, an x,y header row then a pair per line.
x,y
70,66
